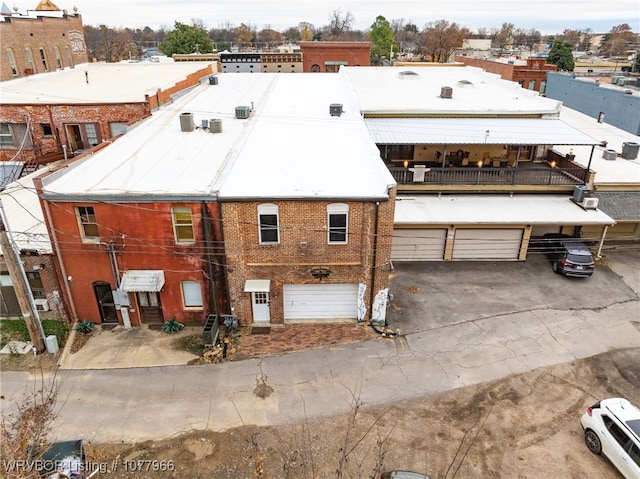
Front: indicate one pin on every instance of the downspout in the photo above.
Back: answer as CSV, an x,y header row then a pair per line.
x,y
65,281
372,294
604,233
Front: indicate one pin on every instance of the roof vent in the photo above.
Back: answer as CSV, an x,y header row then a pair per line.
x,y
446,92
335,109
215,125
630,150
242,112
186,122
609,154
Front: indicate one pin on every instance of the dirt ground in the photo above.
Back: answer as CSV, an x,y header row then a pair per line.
x,y
523,426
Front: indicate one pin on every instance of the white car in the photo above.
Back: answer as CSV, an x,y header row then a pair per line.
x,y
612,428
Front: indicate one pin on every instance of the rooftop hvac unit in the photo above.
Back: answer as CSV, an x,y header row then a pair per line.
x,y
609,154
335,109
630,150
215,125
446,92
590,203
213,80
242,112
186,122
579,192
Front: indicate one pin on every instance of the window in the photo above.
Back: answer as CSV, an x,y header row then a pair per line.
x,y
191,294
35,284
87,221
43,59
14,135
117,128
268,223
532,84
29,55
82,135
337,221
543,86
46,129
58,58
182,224
67,52
12,62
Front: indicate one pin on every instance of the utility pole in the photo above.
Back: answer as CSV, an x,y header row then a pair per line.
x,y
21,287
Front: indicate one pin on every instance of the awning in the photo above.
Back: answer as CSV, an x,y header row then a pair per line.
x,y
494,210
142,280
475,131
257,285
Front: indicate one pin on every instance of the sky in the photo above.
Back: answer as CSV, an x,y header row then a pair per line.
x,y
546,16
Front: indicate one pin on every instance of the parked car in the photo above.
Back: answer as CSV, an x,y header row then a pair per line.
x,y
569,256
612,428
402,475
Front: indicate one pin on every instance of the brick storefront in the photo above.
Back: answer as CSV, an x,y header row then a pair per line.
x,y
320,57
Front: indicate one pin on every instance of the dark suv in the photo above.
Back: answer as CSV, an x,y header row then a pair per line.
x,y
569,256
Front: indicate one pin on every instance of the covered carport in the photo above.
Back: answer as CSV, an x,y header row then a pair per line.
x,y
483,227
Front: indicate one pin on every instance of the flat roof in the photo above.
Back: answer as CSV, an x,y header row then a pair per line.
x,y
494,209
417,90
107,82
24,216
289,147
476,131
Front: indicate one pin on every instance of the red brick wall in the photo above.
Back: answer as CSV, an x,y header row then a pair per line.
x,y
41,32
289,263
148,243
317,53
536,69
59,116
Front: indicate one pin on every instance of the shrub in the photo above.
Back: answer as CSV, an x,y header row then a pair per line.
x,y
172,326
85,326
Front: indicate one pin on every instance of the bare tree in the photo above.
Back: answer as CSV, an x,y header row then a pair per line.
x,y
339,24
503,37
440,39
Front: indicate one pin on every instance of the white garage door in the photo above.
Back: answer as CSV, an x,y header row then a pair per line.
x,y
320,301
471,243
418,244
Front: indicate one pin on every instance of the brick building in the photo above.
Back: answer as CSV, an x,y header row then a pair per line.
x,y
329,56
49,117
530,73
42,40
213,206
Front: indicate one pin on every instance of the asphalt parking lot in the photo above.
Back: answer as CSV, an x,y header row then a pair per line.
x,y
432,295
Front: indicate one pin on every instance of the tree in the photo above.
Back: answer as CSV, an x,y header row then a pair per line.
x,y
339,24
561,55
244,34
440,39
384,45
269,35
186,39
503,37
306,31
616,42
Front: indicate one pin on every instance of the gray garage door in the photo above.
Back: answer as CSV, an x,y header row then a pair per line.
x,y
489,243
418,244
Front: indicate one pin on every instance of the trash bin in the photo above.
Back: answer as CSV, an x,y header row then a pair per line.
x,y
51,343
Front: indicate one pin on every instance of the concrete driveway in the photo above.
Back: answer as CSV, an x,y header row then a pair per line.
x,y
437,294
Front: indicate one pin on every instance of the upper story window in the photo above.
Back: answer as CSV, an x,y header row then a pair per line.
x,y
35,284
268,223
337,222
14,135
87,223
29,55
43,59
532,84
12,62
67,52
58,58
46,129
182,224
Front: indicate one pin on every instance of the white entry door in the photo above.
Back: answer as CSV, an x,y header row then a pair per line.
x,y
260,306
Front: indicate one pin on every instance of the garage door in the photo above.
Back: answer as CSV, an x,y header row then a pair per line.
x,y
418,244
471,243
320,301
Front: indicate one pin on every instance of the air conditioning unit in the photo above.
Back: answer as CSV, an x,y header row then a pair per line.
x,y
609,154
242,112
335,109
590,203
41,304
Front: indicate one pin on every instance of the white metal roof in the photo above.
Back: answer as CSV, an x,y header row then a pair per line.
x,y
289,147
493,131
97,83
24,216
495,209
417,90
142,280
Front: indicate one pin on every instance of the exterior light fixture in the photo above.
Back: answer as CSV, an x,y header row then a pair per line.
x,y
320,273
